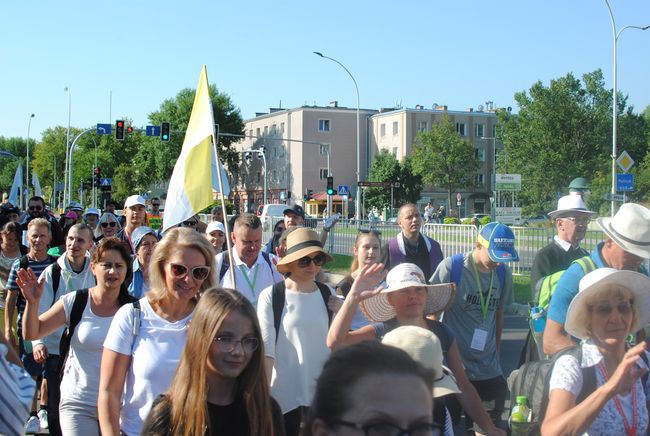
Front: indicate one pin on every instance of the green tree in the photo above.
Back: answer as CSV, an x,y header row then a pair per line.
x,y
386,168
8,164
442,158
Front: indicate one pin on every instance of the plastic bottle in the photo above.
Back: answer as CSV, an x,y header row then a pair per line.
x,y
538,316
520,416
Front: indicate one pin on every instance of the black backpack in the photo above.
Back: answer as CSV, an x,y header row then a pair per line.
x,y
80,301
278,299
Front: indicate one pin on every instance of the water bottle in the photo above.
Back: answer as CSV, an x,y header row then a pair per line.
x,y
520,416
538,315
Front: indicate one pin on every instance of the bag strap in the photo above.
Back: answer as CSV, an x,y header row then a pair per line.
x,y
225,264
278,298
326,294
56,278
80,301
456,268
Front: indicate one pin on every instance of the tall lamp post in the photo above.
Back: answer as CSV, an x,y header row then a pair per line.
x,y
29,125
357,203
615,36
67,151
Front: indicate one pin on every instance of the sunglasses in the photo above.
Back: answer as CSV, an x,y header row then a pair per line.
x,y
180,271
35,207
188,224
155,204
111,224
228,343
605,309
318,260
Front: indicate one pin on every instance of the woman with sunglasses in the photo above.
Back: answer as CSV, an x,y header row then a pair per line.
x,y
601,387
145,340
111,266
220,386
108,225
294,328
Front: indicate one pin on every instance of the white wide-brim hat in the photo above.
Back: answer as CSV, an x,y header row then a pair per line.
x,y
629,228
424,347
570,205
638,284
406,275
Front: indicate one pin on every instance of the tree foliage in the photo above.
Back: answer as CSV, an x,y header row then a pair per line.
x,y
386,168
8,165
443,159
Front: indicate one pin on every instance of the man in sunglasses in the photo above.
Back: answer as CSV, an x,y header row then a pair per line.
x,y
134,214
154,218
254,270
36,209
626,245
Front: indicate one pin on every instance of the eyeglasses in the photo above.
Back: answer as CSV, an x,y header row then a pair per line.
x,y
35,207
578,221
388,429
191,223
227,343
111,224
155,204
318,260
198,272
606,309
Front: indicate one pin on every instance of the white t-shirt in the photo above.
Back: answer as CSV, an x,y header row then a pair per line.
x,y
250,281
155,353
567,376
80,383
301,349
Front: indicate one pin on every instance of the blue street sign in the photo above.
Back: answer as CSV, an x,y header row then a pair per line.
x,y
152,130
105,182
625,182
344,190
104,129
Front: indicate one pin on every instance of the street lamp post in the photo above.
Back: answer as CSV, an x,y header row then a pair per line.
x,y
615,36
493,174
29,125
66,187
357,203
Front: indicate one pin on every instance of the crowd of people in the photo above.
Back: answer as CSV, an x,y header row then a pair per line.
x,y
126,329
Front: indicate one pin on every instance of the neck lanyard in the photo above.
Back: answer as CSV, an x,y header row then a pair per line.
x,y
485,302
251,285
630,430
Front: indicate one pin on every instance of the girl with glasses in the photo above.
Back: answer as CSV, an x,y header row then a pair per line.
x,y
144,343
294,318
108,225
220,386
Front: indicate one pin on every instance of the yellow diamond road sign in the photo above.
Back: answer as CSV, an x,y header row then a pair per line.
x,y
625,161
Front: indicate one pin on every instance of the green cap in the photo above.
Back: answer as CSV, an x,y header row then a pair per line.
x,y
579,184
522,399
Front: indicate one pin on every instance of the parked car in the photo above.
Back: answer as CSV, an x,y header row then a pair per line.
x,y
536,220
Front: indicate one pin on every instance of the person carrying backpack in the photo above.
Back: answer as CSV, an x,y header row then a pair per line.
x,y
294,317
604,389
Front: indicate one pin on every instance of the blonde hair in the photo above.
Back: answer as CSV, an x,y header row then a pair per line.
x,y
189,391
357,242
583,316
177,239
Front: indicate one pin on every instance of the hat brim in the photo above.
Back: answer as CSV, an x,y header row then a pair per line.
x,y
643,251
635,282
445,385
289,210
296,255
501,256
439,297
562,213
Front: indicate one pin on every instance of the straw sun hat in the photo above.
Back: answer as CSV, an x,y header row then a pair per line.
x,y
407,275
300,243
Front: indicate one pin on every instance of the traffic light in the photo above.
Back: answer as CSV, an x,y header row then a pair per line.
x,y
98,176
129,130
164,132
119,130
330,186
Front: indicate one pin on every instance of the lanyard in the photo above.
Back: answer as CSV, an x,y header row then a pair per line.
x,y
485,302
251,285
630,430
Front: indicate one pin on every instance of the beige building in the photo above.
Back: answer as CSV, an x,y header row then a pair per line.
x,y
395,130
296,144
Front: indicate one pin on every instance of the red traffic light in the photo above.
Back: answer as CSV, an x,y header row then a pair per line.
x,y
98,170
120,124
129,129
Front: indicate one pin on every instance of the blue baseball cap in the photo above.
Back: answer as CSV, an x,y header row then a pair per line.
x,y
499,241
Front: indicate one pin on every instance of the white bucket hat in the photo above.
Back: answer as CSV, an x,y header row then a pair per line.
x,y
630,229
637,283
424,347
570,205
407,275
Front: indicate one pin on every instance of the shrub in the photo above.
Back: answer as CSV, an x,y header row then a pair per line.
x,y
451,220
486,220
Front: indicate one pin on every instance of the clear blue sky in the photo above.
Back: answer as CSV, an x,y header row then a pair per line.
x,y
460,53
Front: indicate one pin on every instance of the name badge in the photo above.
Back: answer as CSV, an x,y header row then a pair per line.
x,y
479,339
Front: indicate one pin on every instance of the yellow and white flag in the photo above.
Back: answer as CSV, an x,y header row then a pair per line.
x,y
190,188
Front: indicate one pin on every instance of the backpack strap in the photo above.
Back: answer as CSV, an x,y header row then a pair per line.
x,y
225,264
80,301
267,258
278,298
572,351
56,278
326,294
456,268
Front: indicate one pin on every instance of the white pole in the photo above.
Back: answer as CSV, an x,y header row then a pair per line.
x,y
29,125
67,149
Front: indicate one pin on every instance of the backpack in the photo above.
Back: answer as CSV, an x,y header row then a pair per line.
x,y
532,379
457,270
225,264
547,285
278,298
80,301
56,273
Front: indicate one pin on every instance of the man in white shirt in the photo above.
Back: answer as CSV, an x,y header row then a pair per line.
x,y
254,270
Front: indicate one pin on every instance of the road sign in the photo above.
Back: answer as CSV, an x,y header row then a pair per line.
x,y
344,190
507,182
625,182
104,129
152,130
459,197
374,184
625,161
614,197
105,182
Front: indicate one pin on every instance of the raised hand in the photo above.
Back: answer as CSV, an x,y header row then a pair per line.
x,y
628,371
29,285
368,282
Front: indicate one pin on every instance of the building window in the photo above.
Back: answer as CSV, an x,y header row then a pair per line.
x,y
266,130
395,151
494,131
324,149
281,151
382,130
460,129
480,180
324,125
323,173
394,128
258,132
479,153
479,130
274,129
281,176
422,126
